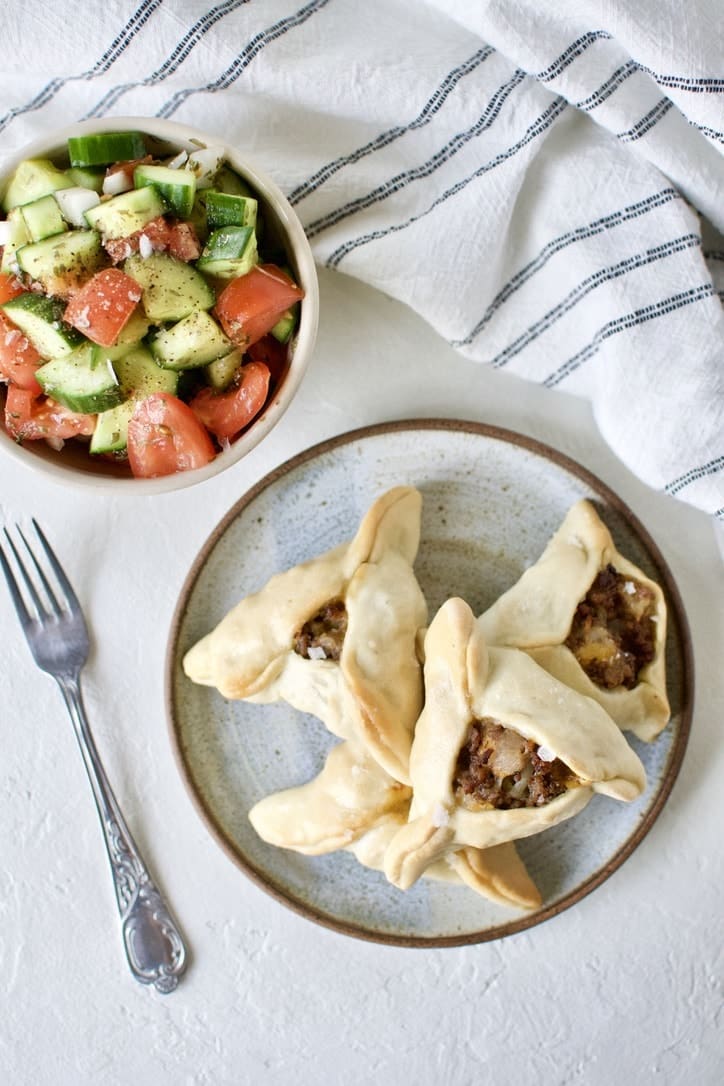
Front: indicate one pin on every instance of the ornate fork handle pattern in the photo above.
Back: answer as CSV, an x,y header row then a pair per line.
x,y
154,948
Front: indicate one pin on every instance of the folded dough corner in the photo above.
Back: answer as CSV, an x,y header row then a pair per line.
x,y
592,619
335,636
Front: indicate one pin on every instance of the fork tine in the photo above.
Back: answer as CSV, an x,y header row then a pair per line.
x,y
58,571
49,590
32,590
23,613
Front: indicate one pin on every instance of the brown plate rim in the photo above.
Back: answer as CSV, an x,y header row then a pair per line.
x,y
676,754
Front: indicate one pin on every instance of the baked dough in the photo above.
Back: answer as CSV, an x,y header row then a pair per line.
x,y
373,692
496,873
350,796
467,683
537,614
354,805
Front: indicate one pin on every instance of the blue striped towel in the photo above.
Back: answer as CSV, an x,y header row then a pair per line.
x,y
542,180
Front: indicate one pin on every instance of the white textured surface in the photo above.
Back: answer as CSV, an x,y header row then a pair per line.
x,y
625,986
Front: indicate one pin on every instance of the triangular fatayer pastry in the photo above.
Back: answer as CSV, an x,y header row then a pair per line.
x,y
594,620
502,750
335,636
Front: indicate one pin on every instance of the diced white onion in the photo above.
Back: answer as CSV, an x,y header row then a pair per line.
x,y
546,755
177,161
74,202
4,232
116,183
205,163
145,247
316,652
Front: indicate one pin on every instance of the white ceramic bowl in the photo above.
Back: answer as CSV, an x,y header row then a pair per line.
x,y
73,464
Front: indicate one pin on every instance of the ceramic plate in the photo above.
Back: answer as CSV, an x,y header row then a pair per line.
x,y
491,500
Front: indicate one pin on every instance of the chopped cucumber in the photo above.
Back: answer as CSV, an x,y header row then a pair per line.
x,y
33,178
75,381
64,260
171,288
17,237
220,373
139,376
225,209
135,328
105,148
228,180
42,218
41,319
193,341
229,252
87,177
126,214
177,187
286,325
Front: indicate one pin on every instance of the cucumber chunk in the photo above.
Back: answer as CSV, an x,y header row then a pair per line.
x,y
230,252
41,319
75,381
105,148
220,373
171,288
228,180
33,178
286,325
126,214
42,218
63,261
177,187
139,376
193,341
135,328
225,209
87,177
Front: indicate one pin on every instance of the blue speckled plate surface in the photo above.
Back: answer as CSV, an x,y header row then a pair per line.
x,y
491,500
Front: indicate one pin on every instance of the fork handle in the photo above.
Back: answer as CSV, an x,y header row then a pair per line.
x,y
154,947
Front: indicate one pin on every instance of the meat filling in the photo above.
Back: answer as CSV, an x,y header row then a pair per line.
x,y
322,636
498,768
613,632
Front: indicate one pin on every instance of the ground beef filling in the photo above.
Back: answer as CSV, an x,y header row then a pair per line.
x,y
322,636
498,768
613,632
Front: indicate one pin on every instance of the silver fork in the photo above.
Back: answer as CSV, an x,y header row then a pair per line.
x,y
58,639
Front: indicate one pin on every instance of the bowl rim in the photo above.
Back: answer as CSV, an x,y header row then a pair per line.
x,y
187,137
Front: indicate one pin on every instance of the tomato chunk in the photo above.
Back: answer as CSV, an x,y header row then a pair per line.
x,y
183,242
165,436
9,288
18,358
180,239
226,414
31,418
102,308
250,306
272,353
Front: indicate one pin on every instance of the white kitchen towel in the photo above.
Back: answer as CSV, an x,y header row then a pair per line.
x,y
542,180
